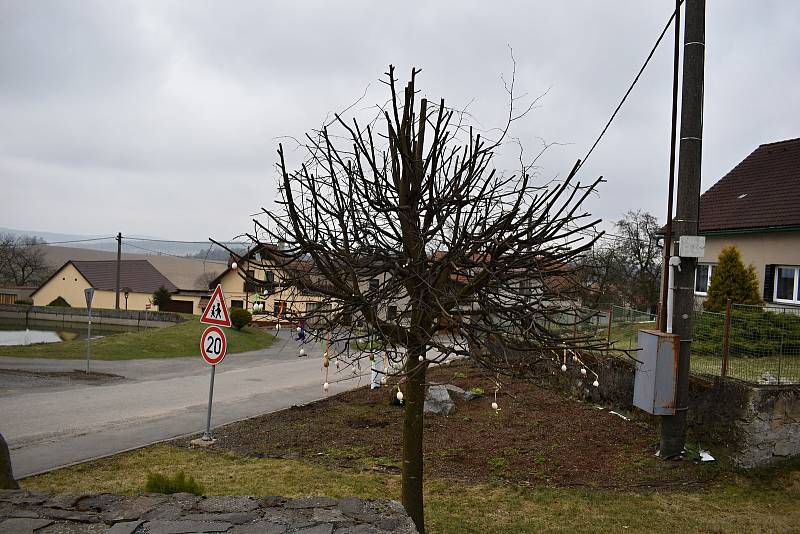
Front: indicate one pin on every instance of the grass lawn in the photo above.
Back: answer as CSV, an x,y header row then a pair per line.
x,y
733,503
542,463
182,339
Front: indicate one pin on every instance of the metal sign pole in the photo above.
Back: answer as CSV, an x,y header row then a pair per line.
x,y
89,294
89,340
207,433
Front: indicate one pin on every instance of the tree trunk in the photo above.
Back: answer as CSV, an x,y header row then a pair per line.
x,y
6,473
414,396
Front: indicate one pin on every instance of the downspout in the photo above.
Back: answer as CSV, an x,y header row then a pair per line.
x,y
674,261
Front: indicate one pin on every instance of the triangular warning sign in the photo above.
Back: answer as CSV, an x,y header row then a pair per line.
x,y
216,312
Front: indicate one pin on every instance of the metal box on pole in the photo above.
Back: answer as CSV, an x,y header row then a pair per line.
x,y
656,372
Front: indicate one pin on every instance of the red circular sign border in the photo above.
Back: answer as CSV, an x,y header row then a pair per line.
x,y
208,360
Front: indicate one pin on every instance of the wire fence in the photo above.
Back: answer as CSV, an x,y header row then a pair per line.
x,y
751,343
616,326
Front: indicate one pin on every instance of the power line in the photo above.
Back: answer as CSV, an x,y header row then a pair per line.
x,y
181,241
633,84
60,242
159,253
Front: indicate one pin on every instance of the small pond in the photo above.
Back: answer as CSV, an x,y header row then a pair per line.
x,y
16,332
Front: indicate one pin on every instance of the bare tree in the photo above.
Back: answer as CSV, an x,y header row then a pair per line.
x,y
639,258
22,260
407,240
205,279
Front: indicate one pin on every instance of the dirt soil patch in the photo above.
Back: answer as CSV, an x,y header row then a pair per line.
x,y
11,379
539,437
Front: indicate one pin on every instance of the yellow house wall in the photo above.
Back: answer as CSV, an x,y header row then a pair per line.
x,y
760,250
136,301
67,283
233,288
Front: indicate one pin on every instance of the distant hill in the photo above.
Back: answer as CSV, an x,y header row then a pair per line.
x,y
137,244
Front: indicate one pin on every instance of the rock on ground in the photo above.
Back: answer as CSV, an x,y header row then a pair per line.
x,y
438,401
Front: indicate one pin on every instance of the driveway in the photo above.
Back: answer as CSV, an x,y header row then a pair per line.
x,y
50,421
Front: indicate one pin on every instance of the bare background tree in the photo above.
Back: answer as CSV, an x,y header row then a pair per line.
x,y
405,240
22,260
625,269
205,279
640,253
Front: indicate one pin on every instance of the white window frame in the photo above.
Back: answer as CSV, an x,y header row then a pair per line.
x,y
793,300
711,267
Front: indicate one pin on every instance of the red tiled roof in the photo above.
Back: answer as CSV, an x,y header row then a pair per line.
x,y
139,275
763,191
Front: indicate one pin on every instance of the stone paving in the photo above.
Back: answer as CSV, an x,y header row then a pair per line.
x,y
25,511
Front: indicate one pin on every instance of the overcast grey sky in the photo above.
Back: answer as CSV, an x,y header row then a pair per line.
x,y
162,118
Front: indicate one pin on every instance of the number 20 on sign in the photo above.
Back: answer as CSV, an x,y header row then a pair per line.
x,y
213,345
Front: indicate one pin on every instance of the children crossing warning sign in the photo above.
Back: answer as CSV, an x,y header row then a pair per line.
x,y
216,312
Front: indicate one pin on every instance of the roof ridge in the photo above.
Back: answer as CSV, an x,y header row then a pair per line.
x,y
796,139
109,261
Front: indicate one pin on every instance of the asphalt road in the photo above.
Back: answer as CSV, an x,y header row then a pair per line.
x,y
51,421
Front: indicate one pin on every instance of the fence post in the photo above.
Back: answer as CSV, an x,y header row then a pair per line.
x,y
610,318
780,354
726,336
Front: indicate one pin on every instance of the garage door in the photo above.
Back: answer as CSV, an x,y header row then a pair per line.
x,y
180,306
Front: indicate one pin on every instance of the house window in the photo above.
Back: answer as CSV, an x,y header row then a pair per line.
x,y
702,278
237,304
373,284
787,284
278,307
311,307
391,313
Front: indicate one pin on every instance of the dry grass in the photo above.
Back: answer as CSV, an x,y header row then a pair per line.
x,y
736,505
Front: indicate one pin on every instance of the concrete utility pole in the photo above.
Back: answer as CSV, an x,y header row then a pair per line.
x,y
119,259
673,427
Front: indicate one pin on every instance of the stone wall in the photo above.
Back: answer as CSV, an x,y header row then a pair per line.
x,y
45,513
754,425
143,319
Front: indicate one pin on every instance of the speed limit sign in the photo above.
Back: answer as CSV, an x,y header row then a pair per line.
x,y
213,345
